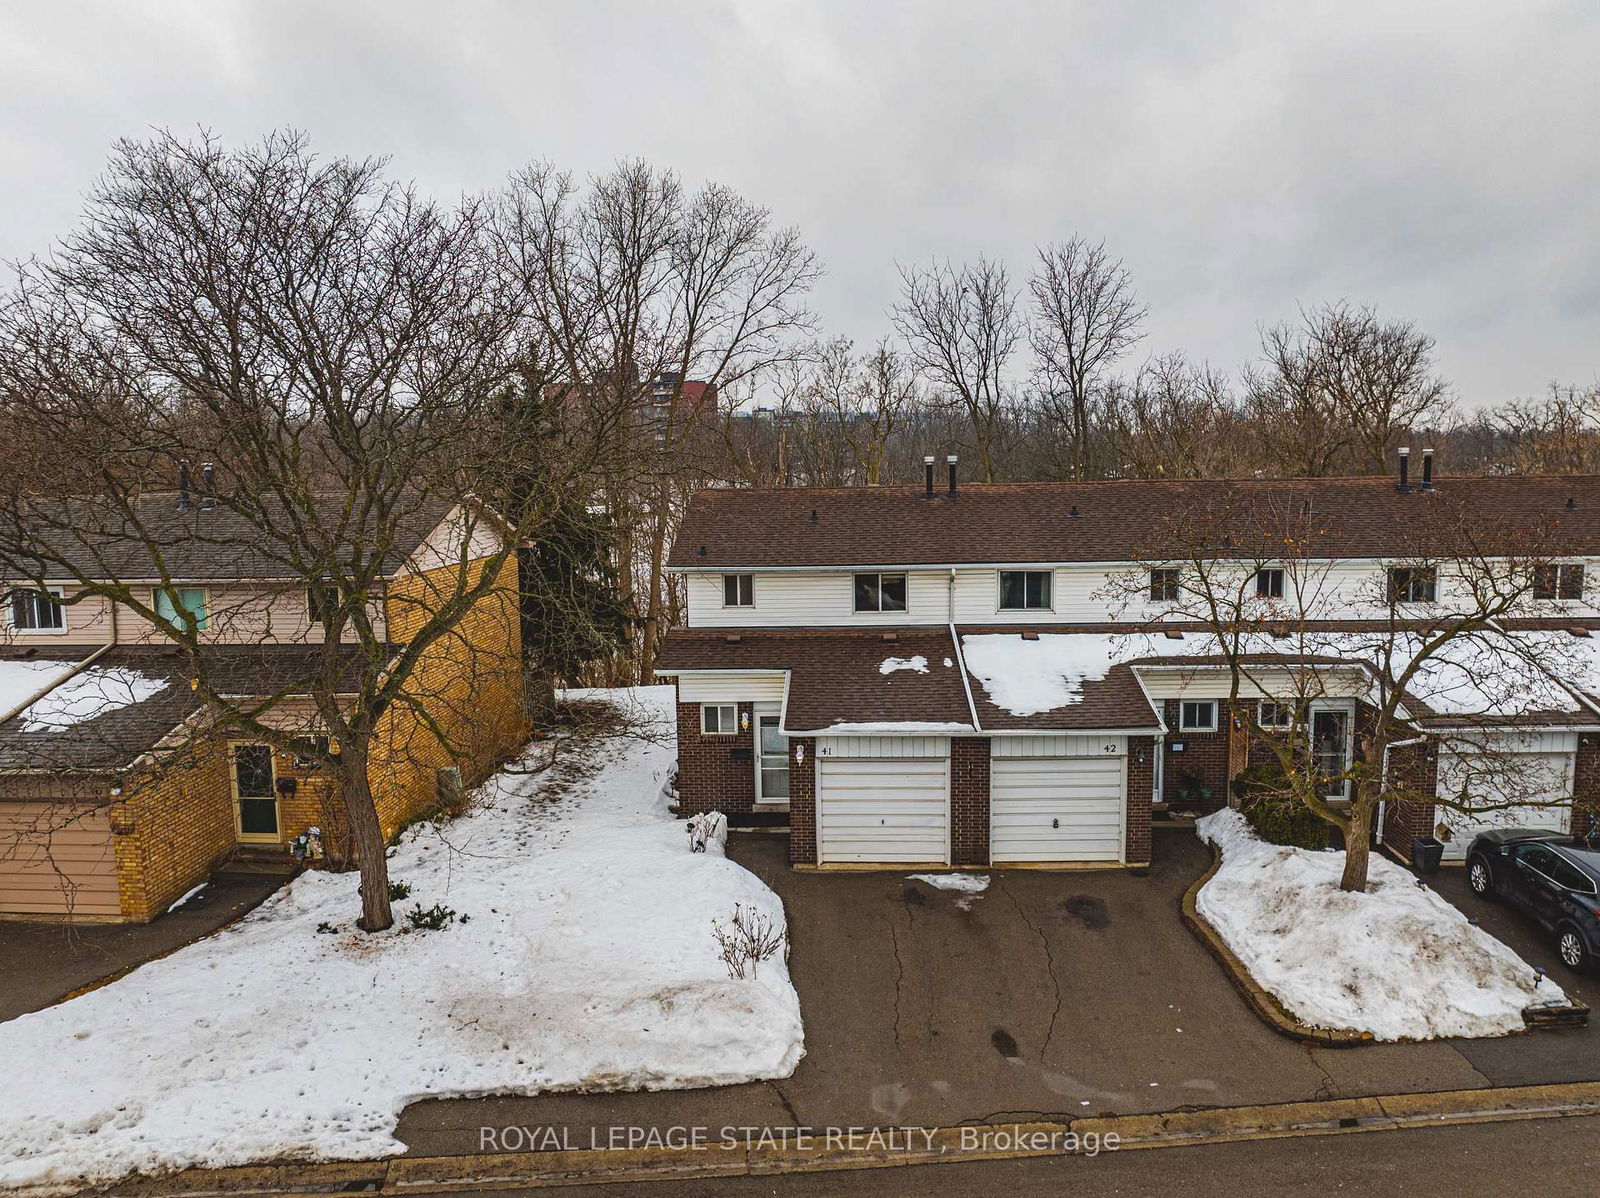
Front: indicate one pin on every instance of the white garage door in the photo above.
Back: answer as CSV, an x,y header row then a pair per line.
x,y
1498,778
883,809
1056,809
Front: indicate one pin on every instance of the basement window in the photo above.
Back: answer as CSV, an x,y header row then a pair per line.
x,y
1198,715
738,590
719,719
1025,590
881,592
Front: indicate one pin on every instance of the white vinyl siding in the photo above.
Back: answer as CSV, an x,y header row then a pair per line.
x,y
730,688
883,810
1537,766
820,600
883,746
1056,809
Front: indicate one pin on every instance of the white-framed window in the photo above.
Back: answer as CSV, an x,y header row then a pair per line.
x,y
1025,590
1269,582
880,592
169,602
1274,713
1558,580
738,590
37,611
1413,584
719,719
1164,585
1198,715
322,600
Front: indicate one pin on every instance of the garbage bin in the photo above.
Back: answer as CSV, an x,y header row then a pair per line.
x,y
1426,853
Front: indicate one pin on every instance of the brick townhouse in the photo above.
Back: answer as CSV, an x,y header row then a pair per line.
x,y
112,805
964,674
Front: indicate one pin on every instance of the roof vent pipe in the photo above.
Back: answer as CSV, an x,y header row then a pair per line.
x,y
927,476
951,461
1427,469
208,500
183,486
1405,469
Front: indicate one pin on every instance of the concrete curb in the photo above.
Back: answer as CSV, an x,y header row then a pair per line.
x,y
930,1146
1260,1000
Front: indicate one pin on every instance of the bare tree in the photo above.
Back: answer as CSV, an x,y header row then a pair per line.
x,y
1172,420
960,326
1085,318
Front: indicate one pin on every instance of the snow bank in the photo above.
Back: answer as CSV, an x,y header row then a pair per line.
x,y
918,663
1398,961
586,961
968,887
1027,677
85,696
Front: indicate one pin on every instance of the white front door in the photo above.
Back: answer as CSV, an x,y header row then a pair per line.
x,y
1056,809
887,810
772,762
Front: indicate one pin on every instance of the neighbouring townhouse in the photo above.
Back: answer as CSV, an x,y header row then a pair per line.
x,y
966,675
112,805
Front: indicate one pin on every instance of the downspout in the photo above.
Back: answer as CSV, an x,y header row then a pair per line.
x,y
955,642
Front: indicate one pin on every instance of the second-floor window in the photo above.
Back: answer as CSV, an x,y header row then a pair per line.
x,y
170,603
1269,583
880,592
738,590
1025,590
1558,581
38,611
1412,584
322,600
1164,585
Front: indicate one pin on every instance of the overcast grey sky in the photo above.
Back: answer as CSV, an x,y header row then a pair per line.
x,y
1438,159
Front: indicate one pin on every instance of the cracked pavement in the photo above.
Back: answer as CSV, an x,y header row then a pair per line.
x,y
1053,994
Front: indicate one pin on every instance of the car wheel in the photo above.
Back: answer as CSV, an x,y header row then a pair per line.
x,y
1480,879
1573,951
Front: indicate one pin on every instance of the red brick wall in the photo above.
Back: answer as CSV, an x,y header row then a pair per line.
x,y
803,800
710,778
1141,777
1416,767
969,800
1205,755
1586,785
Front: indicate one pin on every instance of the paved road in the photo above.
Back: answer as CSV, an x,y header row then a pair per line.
x,y
1553,1159
44,961
1055,994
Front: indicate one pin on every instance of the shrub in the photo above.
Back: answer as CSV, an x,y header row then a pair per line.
x,y
398,891
432,919
1276,815
750,939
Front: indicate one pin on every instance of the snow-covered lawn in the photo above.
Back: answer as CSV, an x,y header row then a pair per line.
x,y
1397,961
584,960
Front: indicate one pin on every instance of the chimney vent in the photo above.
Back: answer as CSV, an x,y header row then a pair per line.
x,y
1572,504
951,462
208,500
927,476
183,486
1074,514
1404,485
1427,469
813,515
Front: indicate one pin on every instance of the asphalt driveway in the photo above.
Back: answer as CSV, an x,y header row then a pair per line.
x,y
1054,993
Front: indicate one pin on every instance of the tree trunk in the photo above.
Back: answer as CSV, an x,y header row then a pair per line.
x,y
366,838
539,696
1357,846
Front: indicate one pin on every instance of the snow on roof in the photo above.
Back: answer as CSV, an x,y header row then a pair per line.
x,y
899,728
1027,677
918,663
85,696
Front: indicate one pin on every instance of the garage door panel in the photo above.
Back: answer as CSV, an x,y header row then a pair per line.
x,y
56,859
1055,810
1545,778
886,811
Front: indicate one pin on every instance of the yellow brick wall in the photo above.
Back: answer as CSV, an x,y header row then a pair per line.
x,y
171,829
469,683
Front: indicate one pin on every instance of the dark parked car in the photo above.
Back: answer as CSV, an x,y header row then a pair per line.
x,y
1555,878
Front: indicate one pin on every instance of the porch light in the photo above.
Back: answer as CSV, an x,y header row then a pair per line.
x,y
744,722
799,754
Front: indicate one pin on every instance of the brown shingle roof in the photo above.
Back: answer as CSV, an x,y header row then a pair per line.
x,y
1116,521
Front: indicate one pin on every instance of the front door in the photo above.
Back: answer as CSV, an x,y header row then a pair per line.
x,y
1330,745
772,764
255,796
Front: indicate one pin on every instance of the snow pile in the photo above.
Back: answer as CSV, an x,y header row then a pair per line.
x,y
968,887
1027,677
1397,961
918,663
22,680
582,959
87,695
